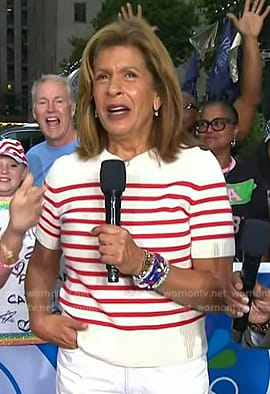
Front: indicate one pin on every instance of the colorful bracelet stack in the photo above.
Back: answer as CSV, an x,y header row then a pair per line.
x,y
154,272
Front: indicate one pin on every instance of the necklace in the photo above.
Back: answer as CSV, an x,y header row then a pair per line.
x,y
4,204
230,167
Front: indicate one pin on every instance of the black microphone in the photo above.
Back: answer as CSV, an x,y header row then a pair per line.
x,y
113,183
254,243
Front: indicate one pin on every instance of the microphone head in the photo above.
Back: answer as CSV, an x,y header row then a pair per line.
x,y
255,237
112,176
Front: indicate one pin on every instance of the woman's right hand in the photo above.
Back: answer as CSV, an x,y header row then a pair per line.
x,y
58,329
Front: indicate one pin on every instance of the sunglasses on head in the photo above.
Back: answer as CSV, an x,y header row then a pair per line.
x,y
217,124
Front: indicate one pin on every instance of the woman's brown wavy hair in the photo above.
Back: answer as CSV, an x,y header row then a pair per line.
x,y
167,135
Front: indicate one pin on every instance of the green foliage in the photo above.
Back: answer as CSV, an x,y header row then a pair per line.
x,y
255,136
217,9
174,20
78,45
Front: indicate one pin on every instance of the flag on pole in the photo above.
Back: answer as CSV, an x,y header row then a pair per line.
x,y
220,84
205,40
192,75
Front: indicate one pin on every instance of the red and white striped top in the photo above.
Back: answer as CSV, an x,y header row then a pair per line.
x,y
180,210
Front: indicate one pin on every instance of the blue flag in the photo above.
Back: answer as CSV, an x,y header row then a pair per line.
x,y
220,84
192,75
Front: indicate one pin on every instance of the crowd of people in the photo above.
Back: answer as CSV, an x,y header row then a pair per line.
x,y
181,221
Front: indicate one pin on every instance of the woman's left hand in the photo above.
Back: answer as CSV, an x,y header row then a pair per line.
x,y
260,306
117,247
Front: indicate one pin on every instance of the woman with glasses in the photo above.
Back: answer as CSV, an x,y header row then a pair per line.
x,y
218,129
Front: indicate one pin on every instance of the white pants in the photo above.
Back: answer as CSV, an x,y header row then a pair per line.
x,y
79,373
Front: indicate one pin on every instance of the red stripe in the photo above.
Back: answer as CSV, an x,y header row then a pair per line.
x,y
135,236
216,236
211,224
73,199
72,187
141,327
47,231
138,186
129,223
173,184
129,210
46,220
126,314
210,212
210,199
45,208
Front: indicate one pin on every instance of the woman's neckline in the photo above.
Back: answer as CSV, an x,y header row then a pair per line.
x,y
230,167
132,159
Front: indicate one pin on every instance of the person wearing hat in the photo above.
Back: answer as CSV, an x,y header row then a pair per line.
x,y
20,207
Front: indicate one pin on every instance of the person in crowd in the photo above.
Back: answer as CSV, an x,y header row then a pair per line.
x,y
53,108
20,207
259,158
174,247
249,26
218,129
257,334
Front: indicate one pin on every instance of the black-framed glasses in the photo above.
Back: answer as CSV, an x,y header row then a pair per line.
x,y
217,124
189,106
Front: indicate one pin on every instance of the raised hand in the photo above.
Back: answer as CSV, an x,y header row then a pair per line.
x,y
251,22
25,206
126,13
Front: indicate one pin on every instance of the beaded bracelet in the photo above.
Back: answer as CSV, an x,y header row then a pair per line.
x,y
157,271
260,328
4,265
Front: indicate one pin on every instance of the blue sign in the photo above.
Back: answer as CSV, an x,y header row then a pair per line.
x,y
30,369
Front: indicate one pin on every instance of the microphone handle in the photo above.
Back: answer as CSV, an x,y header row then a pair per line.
x,y
113,206
249,273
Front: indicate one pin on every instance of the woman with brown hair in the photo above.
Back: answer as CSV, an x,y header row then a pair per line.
x,y
173,249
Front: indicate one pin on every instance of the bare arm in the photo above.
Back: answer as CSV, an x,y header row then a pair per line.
x,y
25,210
202,287
40,280
250,26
